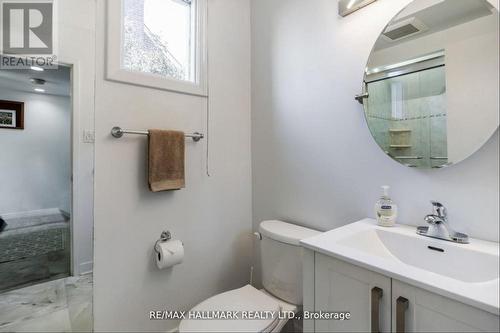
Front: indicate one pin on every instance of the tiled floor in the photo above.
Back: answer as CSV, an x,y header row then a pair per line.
x,y
63,305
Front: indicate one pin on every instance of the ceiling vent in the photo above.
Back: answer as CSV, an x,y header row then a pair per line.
x,y
404,29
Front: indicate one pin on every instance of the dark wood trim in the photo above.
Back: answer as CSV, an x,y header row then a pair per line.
x,y
18,107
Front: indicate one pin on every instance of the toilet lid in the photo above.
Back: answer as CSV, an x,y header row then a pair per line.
x,y
262,313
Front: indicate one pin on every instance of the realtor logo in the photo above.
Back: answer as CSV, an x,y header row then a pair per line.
x,y
27,28
27,32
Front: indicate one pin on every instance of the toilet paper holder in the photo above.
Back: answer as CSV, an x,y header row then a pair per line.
x,y
164,237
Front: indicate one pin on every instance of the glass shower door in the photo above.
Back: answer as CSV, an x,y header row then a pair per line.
x,y
407,117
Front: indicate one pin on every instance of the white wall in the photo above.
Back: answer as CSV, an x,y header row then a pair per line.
x,y
314,160
76,34
471,58
212,216
471,120
36,161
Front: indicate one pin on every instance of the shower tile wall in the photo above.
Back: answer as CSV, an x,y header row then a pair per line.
x,y
378,112
422,111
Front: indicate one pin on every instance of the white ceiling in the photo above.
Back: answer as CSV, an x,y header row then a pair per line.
x,y
57,80
439,15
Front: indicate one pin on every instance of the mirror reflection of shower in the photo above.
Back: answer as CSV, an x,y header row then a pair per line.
x,y
406,110
430,94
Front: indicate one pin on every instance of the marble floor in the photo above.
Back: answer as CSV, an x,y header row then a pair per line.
x,y
63,305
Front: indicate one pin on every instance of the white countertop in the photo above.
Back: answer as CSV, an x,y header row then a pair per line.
x,y
482,295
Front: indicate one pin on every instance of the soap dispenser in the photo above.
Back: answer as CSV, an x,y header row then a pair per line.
x,y
385,210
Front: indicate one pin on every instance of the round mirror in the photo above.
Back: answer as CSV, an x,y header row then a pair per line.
x,y
431,86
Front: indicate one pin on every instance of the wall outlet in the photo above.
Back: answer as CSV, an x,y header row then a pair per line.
x,y
88,136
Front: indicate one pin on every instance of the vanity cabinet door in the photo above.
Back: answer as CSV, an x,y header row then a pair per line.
x,y
342,287
417,310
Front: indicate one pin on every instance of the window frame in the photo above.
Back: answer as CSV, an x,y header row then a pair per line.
x,y
116,72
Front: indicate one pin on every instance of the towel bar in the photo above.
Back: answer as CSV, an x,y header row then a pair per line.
x,y
118,132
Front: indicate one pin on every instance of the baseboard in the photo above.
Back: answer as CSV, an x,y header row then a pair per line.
x,y
86,267
31,213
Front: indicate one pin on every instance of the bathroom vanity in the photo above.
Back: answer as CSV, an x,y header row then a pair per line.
x,y
394,280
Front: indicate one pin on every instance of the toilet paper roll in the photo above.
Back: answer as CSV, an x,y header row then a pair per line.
x,y
169,254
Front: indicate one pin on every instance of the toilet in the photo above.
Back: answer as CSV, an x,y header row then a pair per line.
x,y
265,310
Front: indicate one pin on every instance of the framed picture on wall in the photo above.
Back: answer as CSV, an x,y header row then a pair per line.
x,y
11,115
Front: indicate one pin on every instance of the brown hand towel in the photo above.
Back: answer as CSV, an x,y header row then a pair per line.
x,y
166,160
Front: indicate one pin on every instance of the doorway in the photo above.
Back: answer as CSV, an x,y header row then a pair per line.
x,y
45,239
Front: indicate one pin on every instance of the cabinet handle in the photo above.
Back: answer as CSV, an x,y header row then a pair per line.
x,y
377,294
401,307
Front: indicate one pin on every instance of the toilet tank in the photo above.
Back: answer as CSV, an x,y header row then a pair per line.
x,y
281,259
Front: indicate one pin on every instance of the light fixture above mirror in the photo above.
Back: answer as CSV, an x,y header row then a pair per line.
x,y
347,7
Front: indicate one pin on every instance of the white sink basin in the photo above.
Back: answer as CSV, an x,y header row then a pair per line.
x,y
457,262
466,272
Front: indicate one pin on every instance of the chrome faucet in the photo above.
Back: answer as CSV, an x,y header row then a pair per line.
x,y
439,227
439,214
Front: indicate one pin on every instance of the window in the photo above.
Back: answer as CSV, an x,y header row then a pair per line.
x,y
158,43
158,37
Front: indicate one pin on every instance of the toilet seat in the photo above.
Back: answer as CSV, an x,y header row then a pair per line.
x,y
244,300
